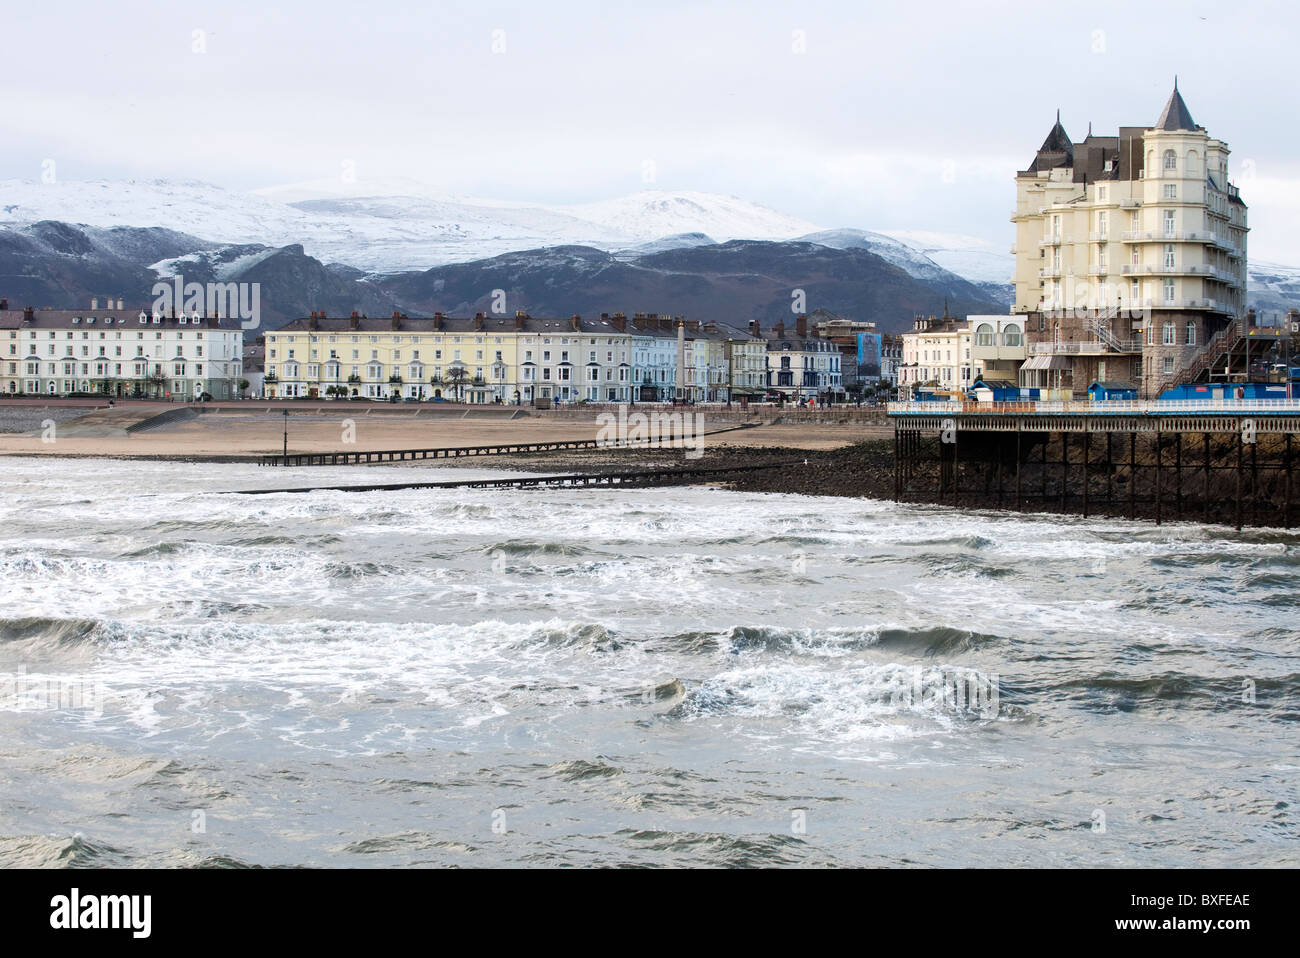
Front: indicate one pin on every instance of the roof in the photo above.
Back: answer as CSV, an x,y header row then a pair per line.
x,y
995,383
637,325
1057,150
1048,362
1176,115
105,318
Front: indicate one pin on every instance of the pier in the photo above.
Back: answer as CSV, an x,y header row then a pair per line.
x,y
1216,461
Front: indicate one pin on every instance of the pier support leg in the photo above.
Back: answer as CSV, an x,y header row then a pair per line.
x,y
1205,491
1159,497
1254,483
1178,472
1132,475
1065,467
1286,482
1087,444
1110,470
1239,467
1019,501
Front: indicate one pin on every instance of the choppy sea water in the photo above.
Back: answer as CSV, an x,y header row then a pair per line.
x,y
597,677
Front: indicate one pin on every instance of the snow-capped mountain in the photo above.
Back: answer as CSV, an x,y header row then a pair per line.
x,y
387,225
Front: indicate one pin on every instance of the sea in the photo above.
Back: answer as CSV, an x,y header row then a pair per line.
x,y
193,677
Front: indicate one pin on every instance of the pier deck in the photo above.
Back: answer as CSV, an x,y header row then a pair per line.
x,y
1220,461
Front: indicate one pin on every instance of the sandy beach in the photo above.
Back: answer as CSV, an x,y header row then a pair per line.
x,y
237,431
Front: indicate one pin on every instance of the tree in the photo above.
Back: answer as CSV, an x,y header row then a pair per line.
x,y
243,387
456,375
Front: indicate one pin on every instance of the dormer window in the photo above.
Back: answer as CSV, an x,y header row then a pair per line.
x,y
76,319
90,319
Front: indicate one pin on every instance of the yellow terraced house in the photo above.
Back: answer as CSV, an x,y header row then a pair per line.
x,y
497,359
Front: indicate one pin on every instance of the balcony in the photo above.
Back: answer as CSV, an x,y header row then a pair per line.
x,y
1189,269
1050,240
1069,349
1100,237
1049,272
1171,236
1099,270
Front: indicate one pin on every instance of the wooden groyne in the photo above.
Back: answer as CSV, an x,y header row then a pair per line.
x,y
380,456
623,480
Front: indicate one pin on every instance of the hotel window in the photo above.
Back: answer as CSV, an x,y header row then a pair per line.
x,y
1170,290
1167,365
1169,256
1171,191
1168,335
1137,291
1171,222
1191,333
1101,195
1171,160
1101,222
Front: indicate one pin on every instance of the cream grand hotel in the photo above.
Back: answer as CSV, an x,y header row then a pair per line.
x,y
1130,253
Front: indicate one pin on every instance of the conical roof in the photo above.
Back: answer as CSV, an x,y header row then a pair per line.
x,y
1058,141
1176,115
1056,151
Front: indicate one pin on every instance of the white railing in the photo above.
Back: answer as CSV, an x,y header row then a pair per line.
x,y
1067,349
1171,236
1106,407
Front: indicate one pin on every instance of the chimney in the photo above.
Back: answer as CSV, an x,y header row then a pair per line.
x,y
519,319
94,302
354,321
119,302
29,314
478,320
577,323
4,304
754,329
313,323
801,326
619,322
397,320
780,329
437,320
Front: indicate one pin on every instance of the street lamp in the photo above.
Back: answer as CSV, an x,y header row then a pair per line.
x,y
286,437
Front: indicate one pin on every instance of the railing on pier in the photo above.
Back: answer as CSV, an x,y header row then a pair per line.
x,y
1115,407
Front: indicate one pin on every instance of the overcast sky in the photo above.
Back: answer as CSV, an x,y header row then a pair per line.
x,y
893,116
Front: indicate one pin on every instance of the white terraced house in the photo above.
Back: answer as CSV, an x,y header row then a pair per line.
x,y
119,352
